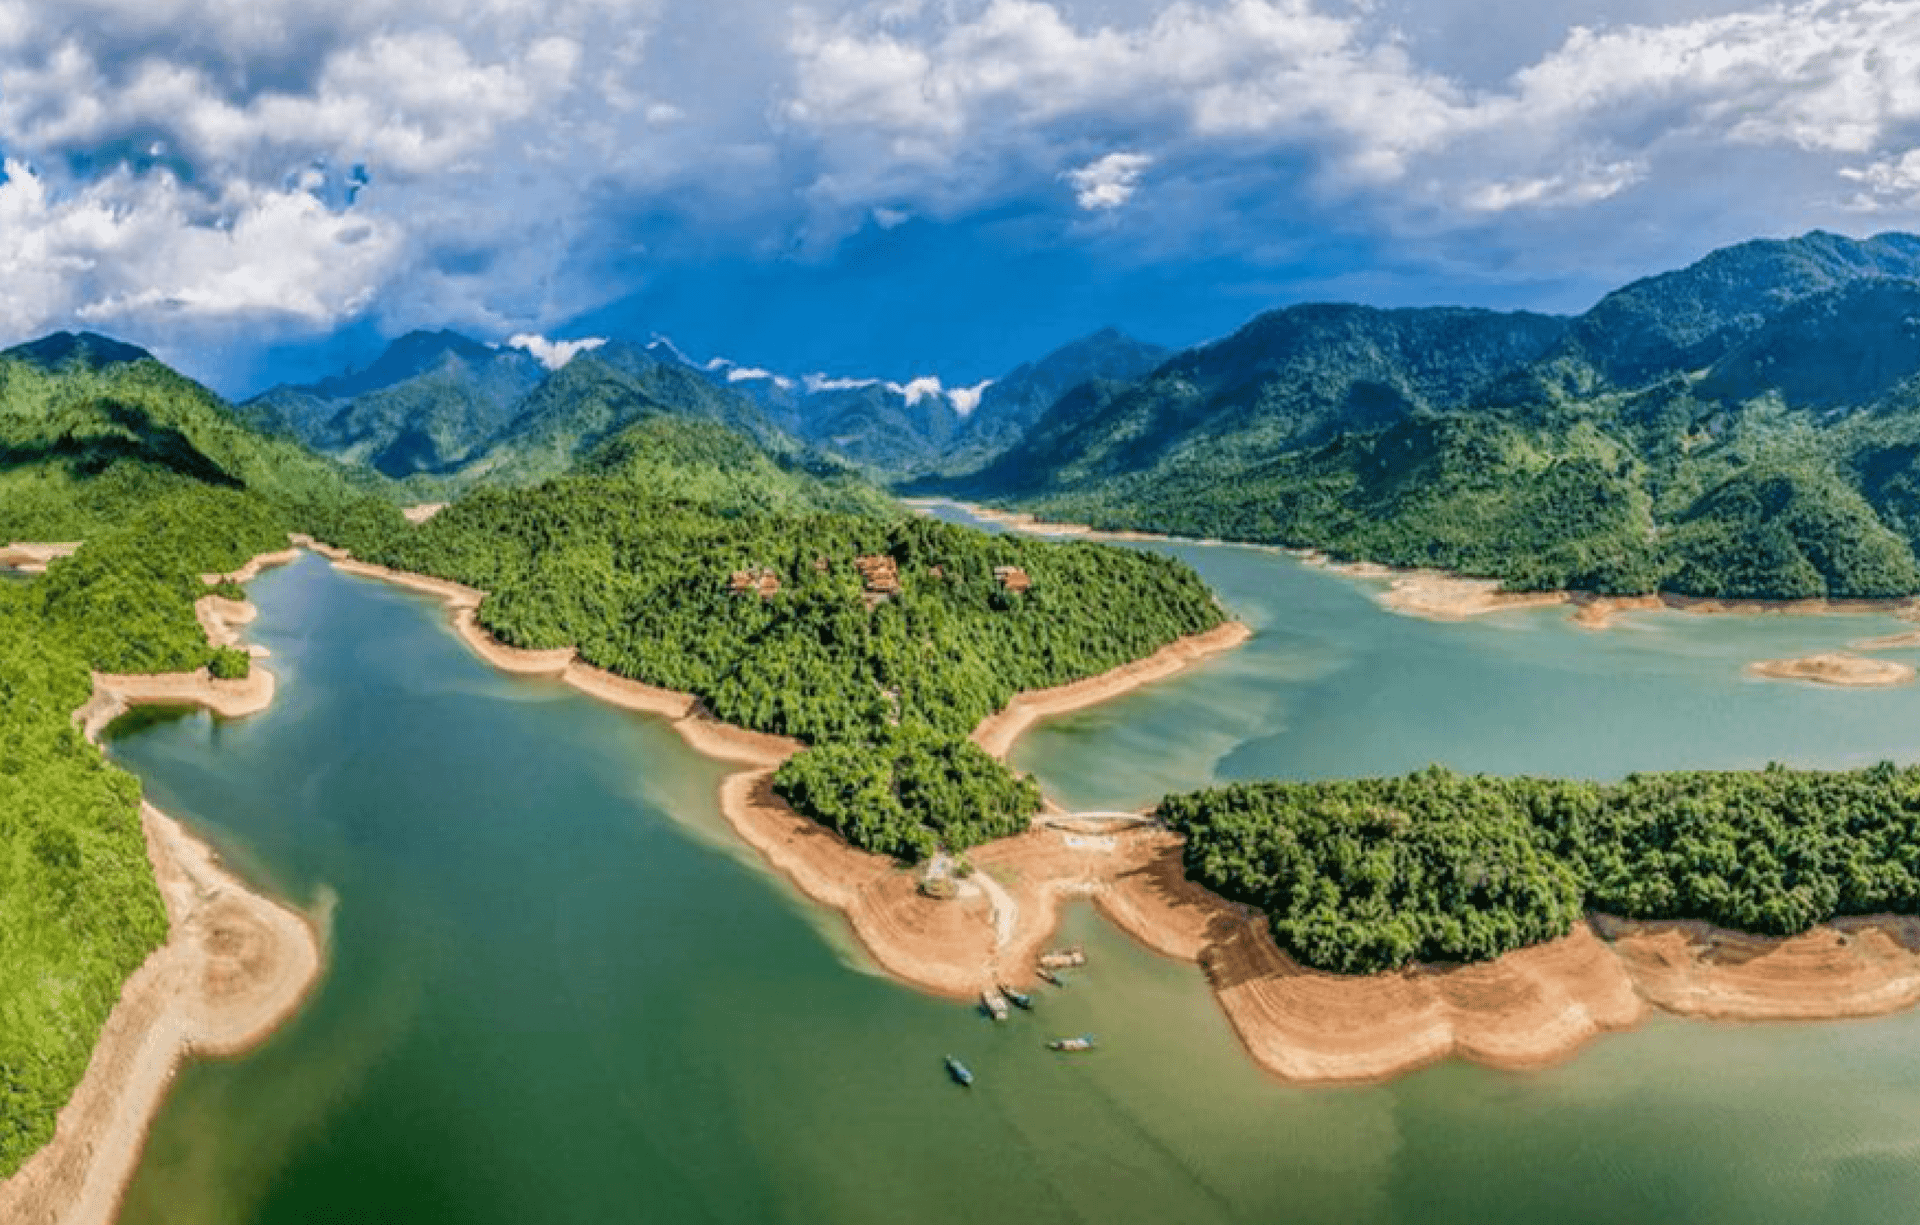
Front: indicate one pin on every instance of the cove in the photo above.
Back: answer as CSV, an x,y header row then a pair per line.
x,y
559,993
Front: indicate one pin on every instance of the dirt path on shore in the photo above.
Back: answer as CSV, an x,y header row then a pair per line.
x,y
236,965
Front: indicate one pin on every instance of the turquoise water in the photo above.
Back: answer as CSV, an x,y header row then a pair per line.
x,y
559,993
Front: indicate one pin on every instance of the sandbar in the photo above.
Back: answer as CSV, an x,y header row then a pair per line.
x,y
235,967
34,558
1835,668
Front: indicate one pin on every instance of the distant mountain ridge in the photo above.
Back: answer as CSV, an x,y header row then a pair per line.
x,y
440,404
1746,426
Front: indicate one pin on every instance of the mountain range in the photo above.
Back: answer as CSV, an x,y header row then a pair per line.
x,y
1745,426
448,408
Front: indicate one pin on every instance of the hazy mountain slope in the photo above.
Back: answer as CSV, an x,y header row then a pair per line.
x,y
595,396
425,405
1009,407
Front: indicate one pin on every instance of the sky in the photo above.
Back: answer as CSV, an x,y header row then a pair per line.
x,y
266,190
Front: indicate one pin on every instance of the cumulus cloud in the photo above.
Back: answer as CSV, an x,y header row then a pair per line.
x,y
1109,182
131,247
274,166
553,354
971,98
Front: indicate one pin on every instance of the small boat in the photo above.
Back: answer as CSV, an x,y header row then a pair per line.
x,y
1020,999
994,1005
961,1075
1048,976
1083,1043
1061,959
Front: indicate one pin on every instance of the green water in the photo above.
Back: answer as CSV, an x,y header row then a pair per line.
x,y
558,993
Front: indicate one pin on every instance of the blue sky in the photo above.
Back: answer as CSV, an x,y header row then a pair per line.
x,y
260,189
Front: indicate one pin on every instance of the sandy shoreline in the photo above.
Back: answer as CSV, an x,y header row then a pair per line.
x,y
997,732
1440,595
235,967
33,558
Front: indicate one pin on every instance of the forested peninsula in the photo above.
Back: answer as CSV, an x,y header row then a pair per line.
x,y
1359,877
880,641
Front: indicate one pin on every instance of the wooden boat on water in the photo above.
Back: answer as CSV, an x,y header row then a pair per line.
x,y
1020,999
962,1076
1064,959
1083,1043
993,1004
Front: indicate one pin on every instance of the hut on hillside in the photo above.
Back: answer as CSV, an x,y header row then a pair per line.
x,y
758,580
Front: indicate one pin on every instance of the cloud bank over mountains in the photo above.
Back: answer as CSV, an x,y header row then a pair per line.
x,y
205,174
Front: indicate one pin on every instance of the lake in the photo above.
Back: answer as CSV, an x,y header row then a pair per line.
x,y
559,992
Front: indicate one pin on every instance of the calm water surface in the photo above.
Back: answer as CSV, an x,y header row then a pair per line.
x,y
559,993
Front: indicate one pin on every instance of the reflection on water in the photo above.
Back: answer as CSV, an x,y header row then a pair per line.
x,y
561,994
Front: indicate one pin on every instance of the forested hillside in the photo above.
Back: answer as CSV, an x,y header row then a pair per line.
x,y
881,640
1747,426
446,412
100,443
1358,877
594,397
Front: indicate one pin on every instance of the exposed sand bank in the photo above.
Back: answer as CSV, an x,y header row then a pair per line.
x,y
1528,1009
253,568
31,558
114,695
1835,668
1851,967
996,733
1445,597
422,512
236,965
1891,642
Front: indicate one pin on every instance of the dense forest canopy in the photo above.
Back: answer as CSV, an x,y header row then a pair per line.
x,y
880,639
1369,875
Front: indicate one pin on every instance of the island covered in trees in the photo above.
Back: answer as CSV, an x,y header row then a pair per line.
x,y
1363,876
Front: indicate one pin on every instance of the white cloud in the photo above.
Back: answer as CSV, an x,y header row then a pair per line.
x,y
1890,182
553,354
198,159
133,247
748,374
1109,182
1587,186
946,114
966,399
